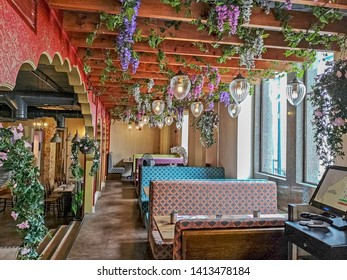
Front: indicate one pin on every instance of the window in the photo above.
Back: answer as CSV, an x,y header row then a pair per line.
x,y
312,169
274,126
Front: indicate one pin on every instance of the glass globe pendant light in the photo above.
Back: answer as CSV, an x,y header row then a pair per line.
x,y
168,120
196,108
180,85
145,119
239,88
234,110
296,91
158,107
160,124
178,125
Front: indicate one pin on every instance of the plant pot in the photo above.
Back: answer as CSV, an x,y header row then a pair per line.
x,y
86,150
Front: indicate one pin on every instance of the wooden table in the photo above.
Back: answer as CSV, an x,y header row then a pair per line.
x,y
167,229
66,190
130,161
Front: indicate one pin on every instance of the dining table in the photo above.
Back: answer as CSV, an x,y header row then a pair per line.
x,y
66,190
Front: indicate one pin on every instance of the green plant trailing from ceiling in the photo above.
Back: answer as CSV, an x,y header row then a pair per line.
x,y
28,210
313,36
207,123
329,99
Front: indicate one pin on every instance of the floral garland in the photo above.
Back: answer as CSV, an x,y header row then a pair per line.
x,y
28,210
330,99
86,145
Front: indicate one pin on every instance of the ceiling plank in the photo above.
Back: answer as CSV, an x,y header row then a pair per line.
x,y
300,21
159,10
186,49
187,32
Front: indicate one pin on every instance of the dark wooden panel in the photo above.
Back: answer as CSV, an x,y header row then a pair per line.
x,y
27,10
234,244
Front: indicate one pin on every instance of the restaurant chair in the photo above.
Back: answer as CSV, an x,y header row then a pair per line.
x,y
52,202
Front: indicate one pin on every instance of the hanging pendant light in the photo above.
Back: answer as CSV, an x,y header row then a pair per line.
x,y
234,110
56,138
180,85
239,88
196,108
76,138
69,137
168,120
145,119
178,125
296,91
160,124
158,107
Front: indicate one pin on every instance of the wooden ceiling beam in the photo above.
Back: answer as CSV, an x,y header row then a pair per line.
x,y
155,10
76,22
148,8
299,21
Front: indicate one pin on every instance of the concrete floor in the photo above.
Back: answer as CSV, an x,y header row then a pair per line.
x,y
114,231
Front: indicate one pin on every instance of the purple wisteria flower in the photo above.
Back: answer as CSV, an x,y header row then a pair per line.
x,y
289,4
227,14
125,40
225,98
338,122
210,106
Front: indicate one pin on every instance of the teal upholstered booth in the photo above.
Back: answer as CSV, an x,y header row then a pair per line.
x,y
150,173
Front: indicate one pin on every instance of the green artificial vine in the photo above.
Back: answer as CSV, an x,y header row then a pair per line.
x,y
28,211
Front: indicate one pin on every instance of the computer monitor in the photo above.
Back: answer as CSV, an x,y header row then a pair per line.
x,y
331,192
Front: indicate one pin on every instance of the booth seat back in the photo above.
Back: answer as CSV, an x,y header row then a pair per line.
x,y
149,173
235,239
160,162
206,197
137,158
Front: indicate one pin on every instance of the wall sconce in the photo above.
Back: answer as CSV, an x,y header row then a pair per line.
x,y
180,85
296,91
239,88
39,125
158,107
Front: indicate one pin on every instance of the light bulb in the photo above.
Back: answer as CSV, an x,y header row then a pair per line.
x,y
180,86
141,124
178,125
168,120
239,89
130,126
295,95
160,125
145,119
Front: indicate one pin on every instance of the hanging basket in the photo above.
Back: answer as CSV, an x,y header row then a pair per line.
x,y
86,150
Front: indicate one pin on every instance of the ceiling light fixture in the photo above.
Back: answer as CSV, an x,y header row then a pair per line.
x,y
56,138
196,107
158,107
76,138
234,110
180,85
239,88
296,92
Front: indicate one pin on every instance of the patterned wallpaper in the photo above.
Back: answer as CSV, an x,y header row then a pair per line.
x,y
19,43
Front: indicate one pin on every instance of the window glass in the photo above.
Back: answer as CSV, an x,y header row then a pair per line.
x,y
274,126
313,170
